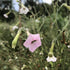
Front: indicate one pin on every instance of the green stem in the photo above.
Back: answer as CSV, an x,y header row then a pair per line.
x,y
52,65
41,25
62,31
68,7
52,47
8,13
17,23
22,5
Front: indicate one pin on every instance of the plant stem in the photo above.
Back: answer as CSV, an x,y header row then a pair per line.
x,y
62,30
20,20
19,15
8,13
52,47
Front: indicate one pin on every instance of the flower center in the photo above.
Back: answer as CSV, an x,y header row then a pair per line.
x,y
50,55
33,41
24,8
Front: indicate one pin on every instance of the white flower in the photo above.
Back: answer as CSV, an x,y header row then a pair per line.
x,y
6,8
41,53
68,46
16,57
5,15
46,68
24,10
1,43
37,2
23,66
48,1
37,21
10,60
14,27
51,59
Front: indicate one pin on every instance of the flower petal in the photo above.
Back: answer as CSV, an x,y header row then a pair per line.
x,y
33,46
24,11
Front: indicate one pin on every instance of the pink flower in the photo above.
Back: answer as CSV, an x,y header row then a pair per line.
x,y
33,42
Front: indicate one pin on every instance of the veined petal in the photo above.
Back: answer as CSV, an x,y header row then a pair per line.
x,y
24,10
51,59
54,59
33,42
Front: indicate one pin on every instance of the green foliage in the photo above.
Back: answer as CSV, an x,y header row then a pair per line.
x,y
50,28
5,33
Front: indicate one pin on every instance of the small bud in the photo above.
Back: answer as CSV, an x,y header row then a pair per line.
x,y
6,14
68,46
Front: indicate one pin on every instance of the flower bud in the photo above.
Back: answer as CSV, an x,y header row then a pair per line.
x,y
14,42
